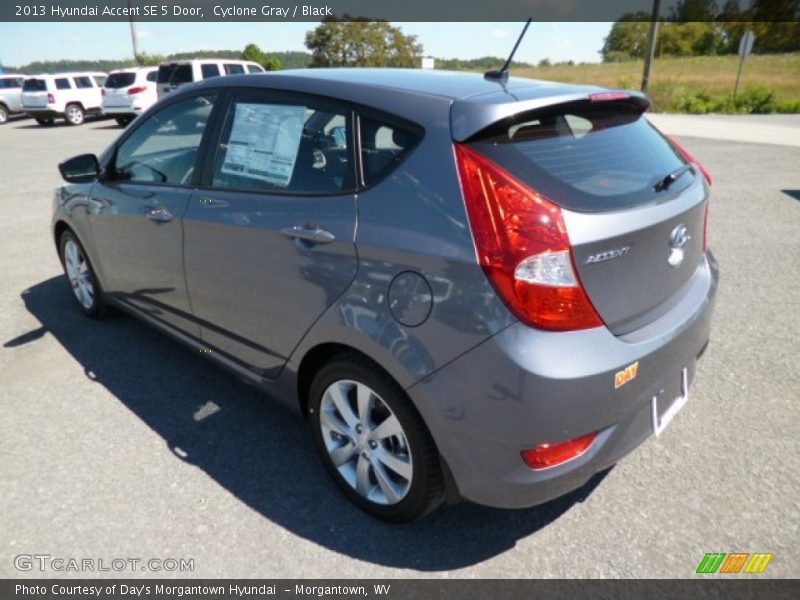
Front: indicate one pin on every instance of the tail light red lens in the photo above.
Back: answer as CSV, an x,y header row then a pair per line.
x,y
51,99
137,90
523,247
692,159
545,456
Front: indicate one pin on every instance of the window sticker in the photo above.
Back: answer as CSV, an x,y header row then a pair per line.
x,y
264,142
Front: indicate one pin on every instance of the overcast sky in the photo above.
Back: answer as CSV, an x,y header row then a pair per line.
x,y
21,43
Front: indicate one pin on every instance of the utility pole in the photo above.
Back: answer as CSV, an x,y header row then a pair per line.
x,y
134,40
651,46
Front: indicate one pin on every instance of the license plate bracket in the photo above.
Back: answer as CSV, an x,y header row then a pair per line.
x,y
660,422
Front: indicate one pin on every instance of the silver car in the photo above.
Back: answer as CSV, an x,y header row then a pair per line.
x,y
472,288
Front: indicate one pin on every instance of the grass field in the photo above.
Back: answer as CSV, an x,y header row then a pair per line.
x,y
676,82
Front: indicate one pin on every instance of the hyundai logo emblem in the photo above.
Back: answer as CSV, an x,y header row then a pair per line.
x,y
677,240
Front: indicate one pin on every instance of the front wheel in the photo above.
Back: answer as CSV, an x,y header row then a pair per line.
x,y
81,276
74,114
3,114
373,442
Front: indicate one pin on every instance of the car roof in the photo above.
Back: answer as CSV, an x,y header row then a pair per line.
x,y
133,69
69,74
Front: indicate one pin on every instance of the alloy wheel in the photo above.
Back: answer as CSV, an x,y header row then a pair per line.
x,y
79,274
366,442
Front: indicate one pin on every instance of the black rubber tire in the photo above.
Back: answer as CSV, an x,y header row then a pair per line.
x,y
427,485
123,121
99,307
44,122
3,114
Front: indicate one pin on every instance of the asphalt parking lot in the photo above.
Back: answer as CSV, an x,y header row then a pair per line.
x,y
118,442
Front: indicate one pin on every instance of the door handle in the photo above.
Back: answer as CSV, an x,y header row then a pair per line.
x,y
314,235
159,214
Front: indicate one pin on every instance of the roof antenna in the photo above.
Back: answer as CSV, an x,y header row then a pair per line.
x,y
502,74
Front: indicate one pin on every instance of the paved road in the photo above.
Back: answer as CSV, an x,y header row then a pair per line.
x,y
780,130
117,442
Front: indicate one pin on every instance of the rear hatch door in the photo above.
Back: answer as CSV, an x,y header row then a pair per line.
x,y
115,90
34,93
633,206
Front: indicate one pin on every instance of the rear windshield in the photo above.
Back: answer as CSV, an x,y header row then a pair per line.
x,y
586,156
175,74
34,85
120,80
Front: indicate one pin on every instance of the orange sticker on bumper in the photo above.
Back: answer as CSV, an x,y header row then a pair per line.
x,y
624,376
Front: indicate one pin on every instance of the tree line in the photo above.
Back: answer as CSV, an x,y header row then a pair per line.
x,y
702,27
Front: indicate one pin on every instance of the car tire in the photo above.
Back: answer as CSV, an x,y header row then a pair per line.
x,y
81,276
44,122
373,442
74,115
123,121
3,114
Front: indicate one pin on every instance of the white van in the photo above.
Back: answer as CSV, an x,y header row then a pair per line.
x,y
10,95
172,74
71,96
129,92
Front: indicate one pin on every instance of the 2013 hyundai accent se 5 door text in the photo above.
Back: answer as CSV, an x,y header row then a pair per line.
x,y
472,288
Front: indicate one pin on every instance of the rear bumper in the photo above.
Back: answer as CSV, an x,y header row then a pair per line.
x,y
524,387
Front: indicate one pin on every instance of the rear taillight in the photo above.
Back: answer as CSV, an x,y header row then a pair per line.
x,y
523,247
690,158
51,99
545,456
137,90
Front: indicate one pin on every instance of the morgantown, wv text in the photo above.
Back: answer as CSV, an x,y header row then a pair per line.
x,y
172,591
173,10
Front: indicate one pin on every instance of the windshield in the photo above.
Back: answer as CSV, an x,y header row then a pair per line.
x,y
585,156
120,80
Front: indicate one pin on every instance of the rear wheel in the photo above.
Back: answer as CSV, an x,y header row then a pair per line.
x,y
81,276
123,121
373,442
44,122
74,114
3,114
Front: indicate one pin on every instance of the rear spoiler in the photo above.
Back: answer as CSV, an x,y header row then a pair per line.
x,y
472,115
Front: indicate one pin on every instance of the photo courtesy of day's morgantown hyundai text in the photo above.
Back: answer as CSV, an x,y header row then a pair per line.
x,y
475,287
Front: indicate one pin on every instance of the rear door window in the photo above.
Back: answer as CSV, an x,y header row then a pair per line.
x,y
233,69
274,146
384,145
175,74
62,83
83,82
209,71
34,85
254,69
585,156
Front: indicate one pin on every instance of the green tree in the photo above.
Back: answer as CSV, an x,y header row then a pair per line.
x,y
144,59
361,42
254,54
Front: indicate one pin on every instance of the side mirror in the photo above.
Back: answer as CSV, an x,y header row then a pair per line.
x,y
84,168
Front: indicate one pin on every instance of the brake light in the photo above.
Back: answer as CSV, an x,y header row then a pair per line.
x,y
523,247
692,159
51,99
137,90
545,456
608,96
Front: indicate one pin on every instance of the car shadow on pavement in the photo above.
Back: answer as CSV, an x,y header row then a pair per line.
x,y
258,450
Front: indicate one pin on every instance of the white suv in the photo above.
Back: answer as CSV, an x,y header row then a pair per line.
x,y
129,92
174,73
72,96
10,95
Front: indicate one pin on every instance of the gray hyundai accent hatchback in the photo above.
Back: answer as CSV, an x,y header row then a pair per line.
x,y
475,288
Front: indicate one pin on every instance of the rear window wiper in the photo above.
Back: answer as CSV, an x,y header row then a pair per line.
x,y
671,178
